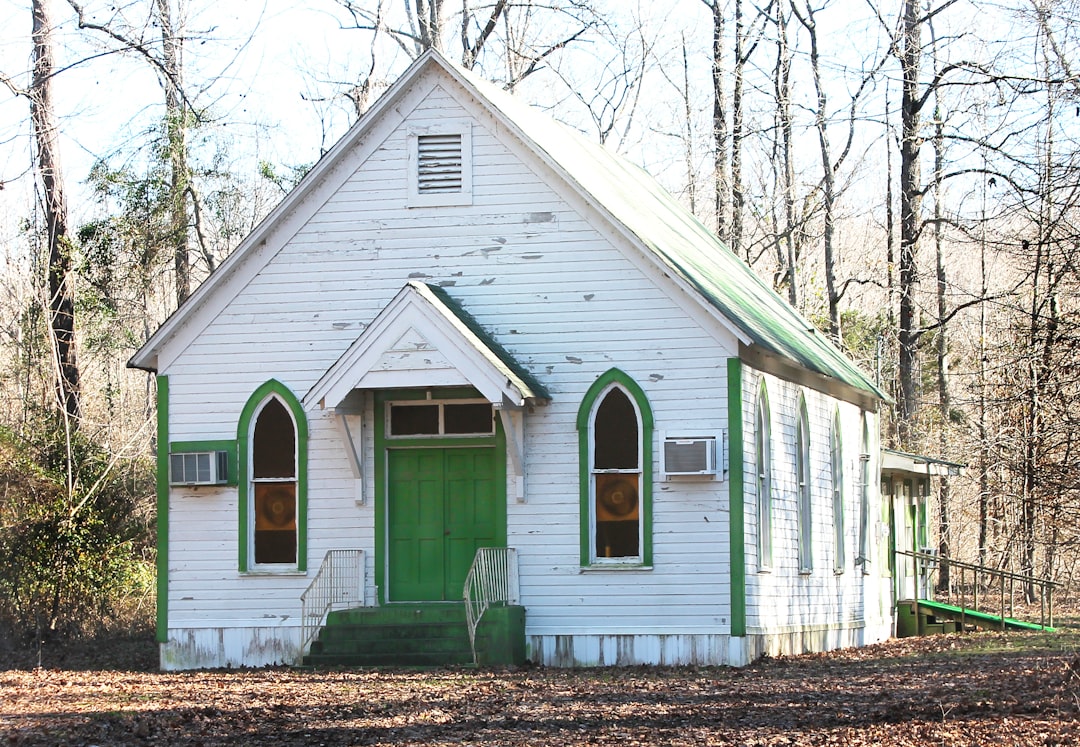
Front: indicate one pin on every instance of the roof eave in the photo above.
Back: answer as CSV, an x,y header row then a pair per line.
x,y
146,357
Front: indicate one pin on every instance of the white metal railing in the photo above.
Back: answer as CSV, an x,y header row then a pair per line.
x,y
338,584
492,579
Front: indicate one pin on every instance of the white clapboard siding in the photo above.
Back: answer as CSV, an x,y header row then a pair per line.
x,y
783,598
558,290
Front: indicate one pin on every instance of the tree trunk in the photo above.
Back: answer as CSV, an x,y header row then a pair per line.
x,y
176,142
944,398
720,126
737,197
910,210
782,85
828,180
61,290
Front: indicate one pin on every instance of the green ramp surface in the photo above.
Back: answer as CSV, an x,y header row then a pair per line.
x,y
982,619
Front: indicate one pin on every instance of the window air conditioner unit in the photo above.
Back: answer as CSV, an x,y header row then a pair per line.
x,y
688,455
199,468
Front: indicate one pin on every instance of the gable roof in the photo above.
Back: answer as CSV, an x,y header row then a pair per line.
x,y
685,246
769,328
440,337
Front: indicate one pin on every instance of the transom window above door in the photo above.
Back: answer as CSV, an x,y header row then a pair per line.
x,y
425,418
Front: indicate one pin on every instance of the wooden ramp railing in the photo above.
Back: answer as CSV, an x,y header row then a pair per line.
x,y
987,589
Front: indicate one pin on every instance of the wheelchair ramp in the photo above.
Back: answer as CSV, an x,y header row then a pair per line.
x,y
939,617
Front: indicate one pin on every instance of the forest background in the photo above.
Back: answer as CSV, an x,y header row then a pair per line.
x,y
904,172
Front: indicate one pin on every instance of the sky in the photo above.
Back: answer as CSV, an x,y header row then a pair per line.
x,y
263,65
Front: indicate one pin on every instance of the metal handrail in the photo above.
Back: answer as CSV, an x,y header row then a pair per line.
x,y
492,579
929,563
339,583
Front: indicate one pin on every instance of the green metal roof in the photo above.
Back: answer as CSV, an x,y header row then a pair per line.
x,y
482,341
689,249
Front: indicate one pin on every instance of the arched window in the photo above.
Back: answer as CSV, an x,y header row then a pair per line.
x,y
837,452
273,502
866,480
615,436
273,484
763,462
803,487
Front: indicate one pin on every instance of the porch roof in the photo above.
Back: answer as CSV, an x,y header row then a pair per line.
x,y
424,337
893,462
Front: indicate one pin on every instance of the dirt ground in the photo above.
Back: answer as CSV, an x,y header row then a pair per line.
x,y
982,689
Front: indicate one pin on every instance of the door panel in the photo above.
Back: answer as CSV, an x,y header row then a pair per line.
x,y
442,506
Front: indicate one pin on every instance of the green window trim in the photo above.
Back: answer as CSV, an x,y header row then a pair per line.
x,y
162,487
614,378
272,388
804,488
836,451
225,444
867,481
763,481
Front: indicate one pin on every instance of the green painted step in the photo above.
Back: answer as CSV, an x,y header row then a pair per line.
x,y
399,614
402,633
427,635
395,659
394,642
981,619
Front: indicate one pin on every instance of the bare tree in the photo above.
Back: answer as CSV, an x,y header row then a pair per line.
x,y
165,56
831,162
721,184
521,36
785,226
61,302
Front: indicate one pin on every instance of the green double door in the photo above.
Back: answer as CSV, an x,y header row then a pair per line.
x,y
442,505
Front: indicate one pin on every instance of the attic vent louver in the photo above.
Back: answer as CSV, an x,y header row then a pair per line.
x,y
439,163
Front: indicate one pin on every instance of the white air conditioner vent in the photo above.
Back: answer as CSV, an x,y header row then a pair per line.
x,y
688,455
199,468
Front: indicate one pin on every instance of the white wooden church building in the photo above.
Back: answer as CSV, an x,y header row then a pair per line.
x,y
469,327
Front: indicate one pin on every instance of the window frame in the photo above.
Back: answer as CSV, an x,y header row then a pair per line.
x,y
836,451
272,389
442,434
804,488
415,197
614,379
763,477
867,480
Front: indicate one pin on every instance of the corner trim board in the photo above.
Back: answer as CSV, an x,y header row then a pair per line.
x,y
736,499
162,487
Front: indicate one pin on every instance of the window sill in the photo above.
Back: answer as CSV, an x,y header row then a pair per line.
x,y
614,567
272,572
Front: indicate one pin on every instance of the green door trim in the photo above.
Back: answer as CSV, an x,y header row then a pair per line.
x,y
382,444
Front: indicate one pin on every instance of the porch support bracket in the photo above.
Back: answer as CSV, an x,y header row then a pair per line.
x,y
354,450
513,423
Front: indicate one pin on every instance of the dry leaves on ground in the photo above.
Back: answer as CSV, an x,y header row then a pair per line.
x,y
944,690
